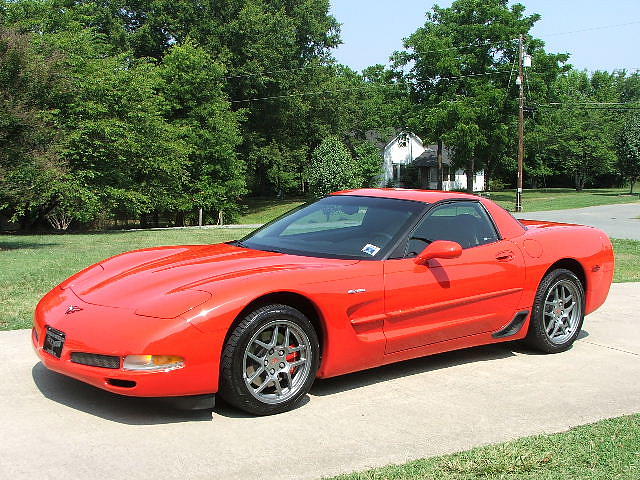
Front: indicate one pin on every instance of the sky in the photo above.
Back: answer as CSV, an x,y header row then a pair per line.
x,y
373,29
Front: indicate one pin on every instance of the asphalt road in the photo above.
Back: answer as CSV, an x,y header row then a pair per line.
x,y
619,221
55,427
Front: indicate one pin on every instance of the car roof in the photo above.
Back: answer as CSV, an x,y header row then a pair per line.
x,y
427,196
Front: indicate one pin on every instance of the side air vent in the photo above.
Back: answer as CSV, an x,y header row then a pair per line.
x,y
514,327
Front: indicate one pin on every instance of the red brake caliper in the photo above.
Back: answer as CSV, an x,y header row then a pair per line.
x,y
292,357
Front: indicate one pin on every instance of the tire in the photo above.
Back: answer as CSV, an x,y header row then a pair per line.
x,y
262,373
558,312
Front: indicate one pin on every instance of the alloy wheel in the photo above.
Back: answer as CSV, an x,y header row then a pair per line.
x,y
562,311
277,361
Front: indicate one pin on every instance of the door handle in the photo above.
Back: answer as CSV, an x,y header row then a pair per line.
x,y
504,256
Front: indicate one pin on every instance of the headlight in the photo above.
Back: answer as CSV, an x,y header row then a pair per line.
x,y
153,362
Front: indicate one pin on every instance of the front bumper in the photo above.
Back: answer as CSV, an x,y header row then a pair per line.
x,y
119,332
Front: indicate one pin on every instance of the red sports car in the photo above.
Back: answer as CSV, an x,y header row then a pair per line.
x,y
355,280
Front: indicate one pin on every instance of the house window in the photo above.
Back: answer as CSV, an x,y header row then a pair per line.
x,y
403,140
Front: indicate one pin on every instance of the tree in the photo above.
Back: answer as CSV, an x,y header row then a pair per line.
x,y
197,106
461,65
144,137
35,181
629,150
460,69
576,139
369,160
276,50
332,168
119,143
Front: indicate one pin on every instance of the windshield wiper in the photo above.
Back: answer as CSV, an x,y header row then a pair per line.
x,y
422,239
237,243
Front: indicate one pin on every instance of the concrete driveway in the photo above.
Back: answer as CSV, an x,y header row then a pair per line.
x,y
619,221
55,427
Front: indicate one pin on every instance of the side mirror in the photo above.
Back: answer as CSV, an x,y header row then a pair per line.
x,y
439,249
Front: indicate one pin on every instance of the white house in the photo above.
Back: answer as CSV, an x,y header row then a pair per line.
x,y
407,149
401,151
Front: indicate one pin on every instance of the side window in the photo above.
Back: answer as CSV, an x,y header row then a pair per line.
x,y
466,223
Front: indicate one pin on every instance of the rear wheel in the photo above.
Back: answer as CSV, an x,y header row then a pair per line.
x,y
558,312
270,360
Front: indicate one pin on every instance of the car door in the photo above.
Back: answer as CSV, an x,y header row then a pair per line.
x,y
451,298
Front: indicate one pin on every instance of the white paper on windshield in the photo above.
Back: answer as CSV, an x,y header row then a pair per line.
x,y
371,249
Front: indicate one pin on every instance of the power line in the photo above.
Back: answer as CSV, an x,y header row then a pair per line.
x,y
590,29
368,85
474,44
420,52
243,75
553,104
612,106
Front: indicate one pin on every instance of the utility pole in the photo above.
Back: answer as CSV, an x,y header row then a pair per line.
x,y
520,126
440,167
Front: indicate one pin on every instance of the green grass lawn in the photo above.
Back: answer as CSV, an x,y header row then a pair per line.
x,y
563,198
627,261
606,450
263,210
30,265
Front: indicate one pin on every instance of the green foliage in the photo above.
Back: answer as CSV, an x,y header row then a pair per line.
x,y
119,142
460,93
575,141
197,107
629,150
464,91
332,168
33,177
128,135
159,108
369,159
497,185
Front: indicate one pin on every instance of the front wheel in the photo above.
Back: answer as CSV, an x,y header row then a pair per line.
x,y
558,312
270,360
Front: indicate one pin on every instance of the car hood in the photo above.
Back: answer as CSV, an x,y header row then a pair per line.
x,y
168,281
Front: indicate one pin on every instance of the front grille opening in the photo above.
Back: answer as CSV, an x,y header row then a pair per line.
x,y
95,360
121,383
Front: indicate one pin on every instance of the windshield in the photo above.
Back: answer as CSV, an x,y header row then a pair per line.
x,y
338,226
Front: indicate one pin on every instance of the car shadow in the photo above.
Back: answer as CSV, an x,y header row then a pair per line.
x,y
421,365
110,406
154,411
226,410
415,366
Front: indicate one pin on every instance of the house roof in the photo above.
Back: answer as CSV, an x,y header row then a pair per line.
x,y
383,139
429,158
